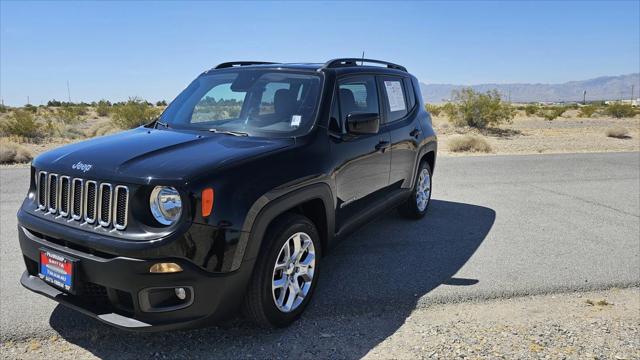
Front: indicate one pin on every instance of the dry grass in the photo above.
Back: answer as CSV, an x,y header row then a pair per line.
x,y
618,132
469,143
11,153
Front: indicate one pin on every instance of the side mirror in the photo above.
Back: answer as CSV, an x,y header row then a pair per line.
x,y
363,123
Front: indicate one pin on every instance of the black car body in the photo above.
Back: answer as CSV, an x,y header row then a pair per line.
x,y
345,159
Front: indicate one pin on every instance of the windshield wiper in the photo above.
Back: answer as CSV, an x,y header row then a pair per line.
x,y
228,132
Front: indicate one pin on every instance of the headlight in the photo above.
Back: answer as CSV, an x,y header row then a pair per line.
x,y
166,205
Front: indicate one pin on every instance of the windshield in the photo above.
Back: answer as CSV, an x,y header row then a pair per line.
x,y
247,102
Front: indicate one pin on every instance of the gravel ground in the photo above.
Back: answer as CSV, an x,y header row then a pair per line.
x,y
589,325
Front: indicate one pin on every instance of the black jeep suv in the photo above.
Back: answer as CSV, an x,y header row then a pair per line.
x,y
230,198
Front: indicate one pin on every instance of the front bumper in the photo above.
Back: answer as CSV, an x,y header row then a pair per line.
x,y
112,288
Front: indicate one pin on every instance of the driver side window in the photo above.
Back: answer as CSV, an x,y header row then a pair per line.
x,y
220,103
357,94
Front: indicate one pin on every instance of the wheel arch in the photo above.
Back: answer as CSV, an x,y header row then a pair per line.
x,y
314,201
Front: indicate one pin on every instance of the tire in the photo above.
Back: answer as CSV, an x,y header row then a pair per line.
x,y
416,206
268,304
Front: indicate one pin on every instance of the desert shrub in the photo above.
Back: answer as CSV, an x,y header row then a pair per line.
x,y
531,109
21,123
70,114
552,112
479,110
13,153
3,109
161,103
469,143
620,110
617,132
32,109
134,112
103,107
433,109
54,103
101,128
587,111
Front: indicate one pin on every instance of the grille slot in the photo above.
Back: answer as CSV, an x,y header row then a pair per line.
x,y
90,201
121,207
90,195
64,195
52,193
76,198
42,190
104,205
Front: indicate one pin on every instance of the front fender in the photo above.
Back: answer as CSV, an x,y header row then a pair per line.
x,y
271,205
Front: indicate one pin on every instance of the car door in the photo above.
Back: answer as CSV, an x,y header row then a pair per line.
x,y
363,161
400,119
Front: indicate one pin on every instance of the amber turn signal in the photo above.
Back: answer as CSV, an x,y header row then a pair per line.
x,y
165,268
207,201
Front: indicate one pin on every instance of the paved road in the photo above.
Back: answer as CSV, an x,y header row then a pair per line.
x,y
498,226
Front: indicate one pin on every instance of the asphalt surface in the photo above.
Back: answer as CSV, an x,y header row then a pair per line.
x,y
498,226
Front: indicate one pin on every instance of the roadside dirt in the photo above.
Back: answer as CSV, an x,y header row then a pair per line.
x,y
588,325
535,135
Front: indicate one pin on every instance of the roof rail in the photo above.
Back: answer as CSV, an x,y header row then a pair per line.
x,y
242,63
342,62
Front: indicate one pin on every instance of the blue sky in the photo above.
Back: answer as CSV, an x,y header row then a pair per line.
x,y
115,50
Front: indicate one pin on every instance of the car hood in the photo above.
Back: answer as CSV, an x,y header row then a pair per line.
x,y
146,155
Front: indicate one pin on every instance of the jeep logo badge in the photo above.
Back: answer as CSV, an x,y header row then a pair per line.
x,y
82,167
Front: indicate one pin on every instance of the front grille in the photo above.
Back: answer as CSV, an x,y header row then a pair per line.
x,y
83,200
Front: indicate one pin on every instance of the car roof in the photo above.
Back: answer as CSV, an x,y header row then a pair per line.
x,y
340,66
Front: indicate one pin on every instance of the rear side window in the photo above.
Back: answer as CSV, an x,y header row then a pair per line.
x,y
357,94
394,98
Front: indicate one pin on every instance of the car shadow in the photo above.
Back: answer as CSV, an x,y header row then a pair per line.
x,y
369,285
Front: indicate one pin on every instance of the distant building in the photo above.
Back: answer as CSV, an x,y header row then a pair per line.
x,y
634,102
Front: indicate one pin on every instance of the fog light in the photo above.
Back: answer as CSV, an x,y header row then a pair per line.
x,y
181,293
165,268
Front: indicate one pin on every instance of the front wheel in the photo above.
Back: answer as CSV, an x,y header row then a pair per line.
x,y
417,204
286,274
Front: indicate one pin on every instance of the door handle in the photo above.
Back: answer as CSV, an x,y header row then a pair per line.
x,y
382,146
415,133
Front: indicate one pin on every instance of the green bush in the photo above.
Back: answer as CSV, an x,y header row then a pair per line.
x,y
433,109
478,110
587,111
103,108
70,114
620,110
21,123
552,112
134,112
161,103
3,109
531,109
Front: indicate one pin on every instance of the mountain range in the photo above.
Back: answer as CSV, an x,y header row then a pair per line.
x,y
601,88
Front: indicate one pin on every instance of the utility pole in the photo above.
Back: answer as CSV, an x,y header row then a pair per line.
x,y
28,102
632,88
68,92
584,97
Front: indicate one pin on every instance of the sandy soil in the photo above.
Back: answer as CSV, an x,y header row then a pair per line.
x,y
535,135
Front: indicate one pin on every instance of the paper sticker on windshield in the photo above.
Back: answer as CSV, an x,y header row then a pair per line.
x,y
395,95
295,120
